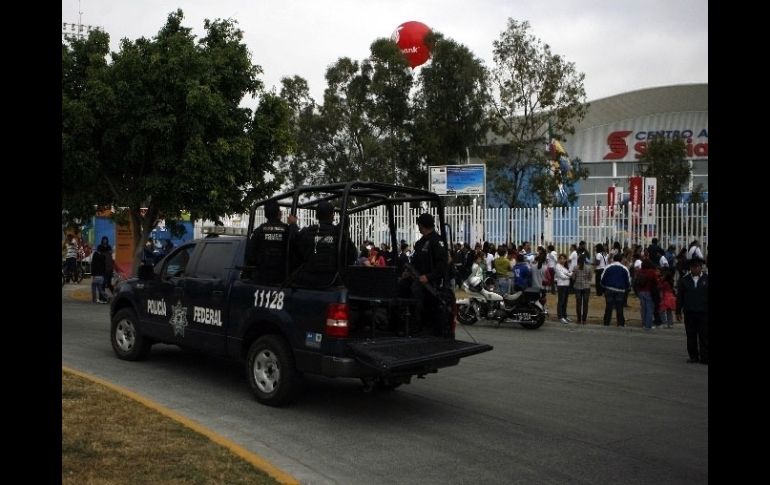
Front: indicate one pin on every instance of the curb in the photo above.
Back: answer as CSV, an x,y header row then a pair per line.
x,y
252,458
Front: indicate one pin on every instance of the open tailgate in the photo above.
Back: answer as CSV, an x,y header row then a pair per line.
x,y
402,354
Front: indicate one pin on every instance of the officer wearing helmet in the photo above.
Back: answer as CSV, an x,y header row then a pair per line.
x,y
266,249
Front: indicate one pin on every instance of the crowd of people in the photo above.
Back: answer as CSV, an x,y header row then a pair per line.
x,y
667,282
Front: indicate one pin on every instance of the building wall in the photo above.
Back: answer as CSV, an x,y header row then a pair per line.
x,y
614,133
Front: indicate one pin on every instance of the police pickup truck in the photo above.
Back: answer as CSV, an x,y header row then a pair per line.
x,y
362,326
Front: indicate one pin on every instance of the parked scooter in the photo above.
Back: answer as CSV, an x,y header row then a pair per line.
x,y
484,303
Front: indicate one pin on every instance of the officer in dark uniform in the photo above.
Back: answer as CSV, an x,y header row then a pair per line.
x,y
431,261
314,253
266,250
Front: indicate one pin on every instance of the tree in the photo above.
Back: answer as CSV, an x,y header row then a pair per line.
x,y
450,104
160,127
297,166
537,96
362,129
665,160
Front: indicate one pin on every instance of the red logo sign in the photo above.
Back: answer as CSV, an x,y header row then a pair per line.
x,y
617,143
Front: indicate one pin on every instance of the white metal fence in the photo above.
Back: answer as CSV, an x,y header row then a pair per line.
x,y
676,224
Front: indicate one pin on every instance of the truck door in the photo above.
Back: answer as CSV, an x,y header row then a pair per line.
x,y
161,299
205,295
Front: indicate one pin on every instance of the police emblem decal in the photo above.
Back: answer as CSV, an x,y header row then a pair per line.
x,y
178,318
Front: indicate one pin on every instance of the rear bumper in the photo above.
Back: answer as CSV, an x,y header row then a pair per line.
x,y
343,367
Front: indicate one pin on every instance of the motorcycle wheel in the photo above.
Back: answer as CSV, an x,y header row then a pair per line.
x,y
537,322
466,316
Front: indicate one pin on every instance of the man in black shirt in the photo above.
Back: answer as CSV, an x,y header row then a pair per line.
x,y
692,299
315,252
431,261
266,250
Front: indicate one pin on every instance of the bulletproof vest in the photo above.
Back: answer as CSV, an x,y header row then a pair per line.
x,y
319,246
272,238
422,257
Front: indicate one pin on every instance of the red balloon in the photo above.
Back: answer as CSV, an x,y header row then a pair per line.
x,y
410,38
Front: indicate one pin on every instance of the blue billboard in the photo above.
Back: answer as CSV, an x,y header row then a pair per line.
x,y
458,179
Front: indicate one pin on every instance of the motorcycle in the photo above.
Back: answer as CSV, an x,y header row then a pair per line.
x,y
484,303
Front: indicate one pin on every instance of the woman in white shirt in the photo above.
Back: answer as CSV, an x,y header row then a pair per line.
x,y
563,276
599,265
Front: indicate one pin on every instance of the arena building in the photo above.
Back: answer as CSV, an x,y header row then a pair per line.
x,y
614,133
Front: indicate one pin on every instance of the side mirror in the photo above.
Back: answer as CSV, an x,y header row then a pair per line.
x,y
146,272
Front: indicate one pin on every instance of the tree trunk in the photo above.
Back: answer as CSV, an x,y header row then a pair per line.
x,y
141,227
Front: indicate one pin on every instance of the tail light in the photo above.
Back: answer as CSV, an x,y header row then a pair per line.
x,y
337,320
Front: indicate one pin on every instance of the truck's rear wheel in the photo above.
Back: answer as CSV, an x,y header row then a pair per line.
x,y
127,341
273,376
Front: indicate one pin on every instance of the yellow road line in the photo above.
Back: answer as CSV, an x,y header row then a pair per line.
x,y
247,455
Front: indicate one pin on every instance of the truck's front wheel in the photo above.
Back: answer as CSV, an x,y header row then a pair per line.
x,y
127,340
272,373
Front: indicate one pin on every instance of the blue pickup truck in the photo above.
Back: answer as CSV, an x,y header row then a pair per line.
x,y
199,297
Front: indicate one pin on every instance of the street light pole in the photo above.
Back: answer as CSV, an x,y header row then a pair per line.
x,y
71,31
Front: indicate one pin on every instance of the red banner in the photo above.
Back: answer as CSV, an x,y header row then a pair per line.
x,y
635,193
611,201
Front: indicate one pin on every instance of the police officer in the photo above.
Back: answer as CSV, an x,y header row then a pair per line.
x,y
314,254
266,250
431,261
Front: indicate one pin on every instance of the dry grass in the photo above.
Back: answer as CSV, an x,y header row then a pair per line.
x,y
109,438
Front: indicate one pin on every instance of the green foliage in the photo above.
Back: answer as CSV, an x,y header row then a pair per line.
x,y
372,127
665,160
161,127
537,96
450,103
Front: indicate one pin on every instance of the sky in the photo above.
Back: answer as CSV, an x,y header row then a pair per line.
x,y
620,45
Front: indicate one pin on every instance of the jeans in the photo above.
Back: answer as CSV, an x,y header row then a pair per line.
x,y
614,299
561,303
96,286
581,297
647,307
597,281
503,285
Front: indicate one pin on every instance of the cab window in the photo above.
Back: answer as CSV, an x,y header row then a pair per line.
x,y
215,260
176,264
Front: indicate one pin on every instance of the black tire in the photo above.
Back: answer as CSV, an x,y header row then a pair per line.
x,y
537,322
128,343
271,371
466,315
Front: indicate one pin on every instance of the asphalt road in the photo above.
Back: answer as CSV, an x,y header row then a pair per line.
x,y
555,405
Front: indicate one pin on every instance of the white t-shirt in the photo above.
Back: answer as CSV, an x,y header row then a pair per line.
x,y
601,261
694,252
489,258
551,258
638,263
663,263
573,257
